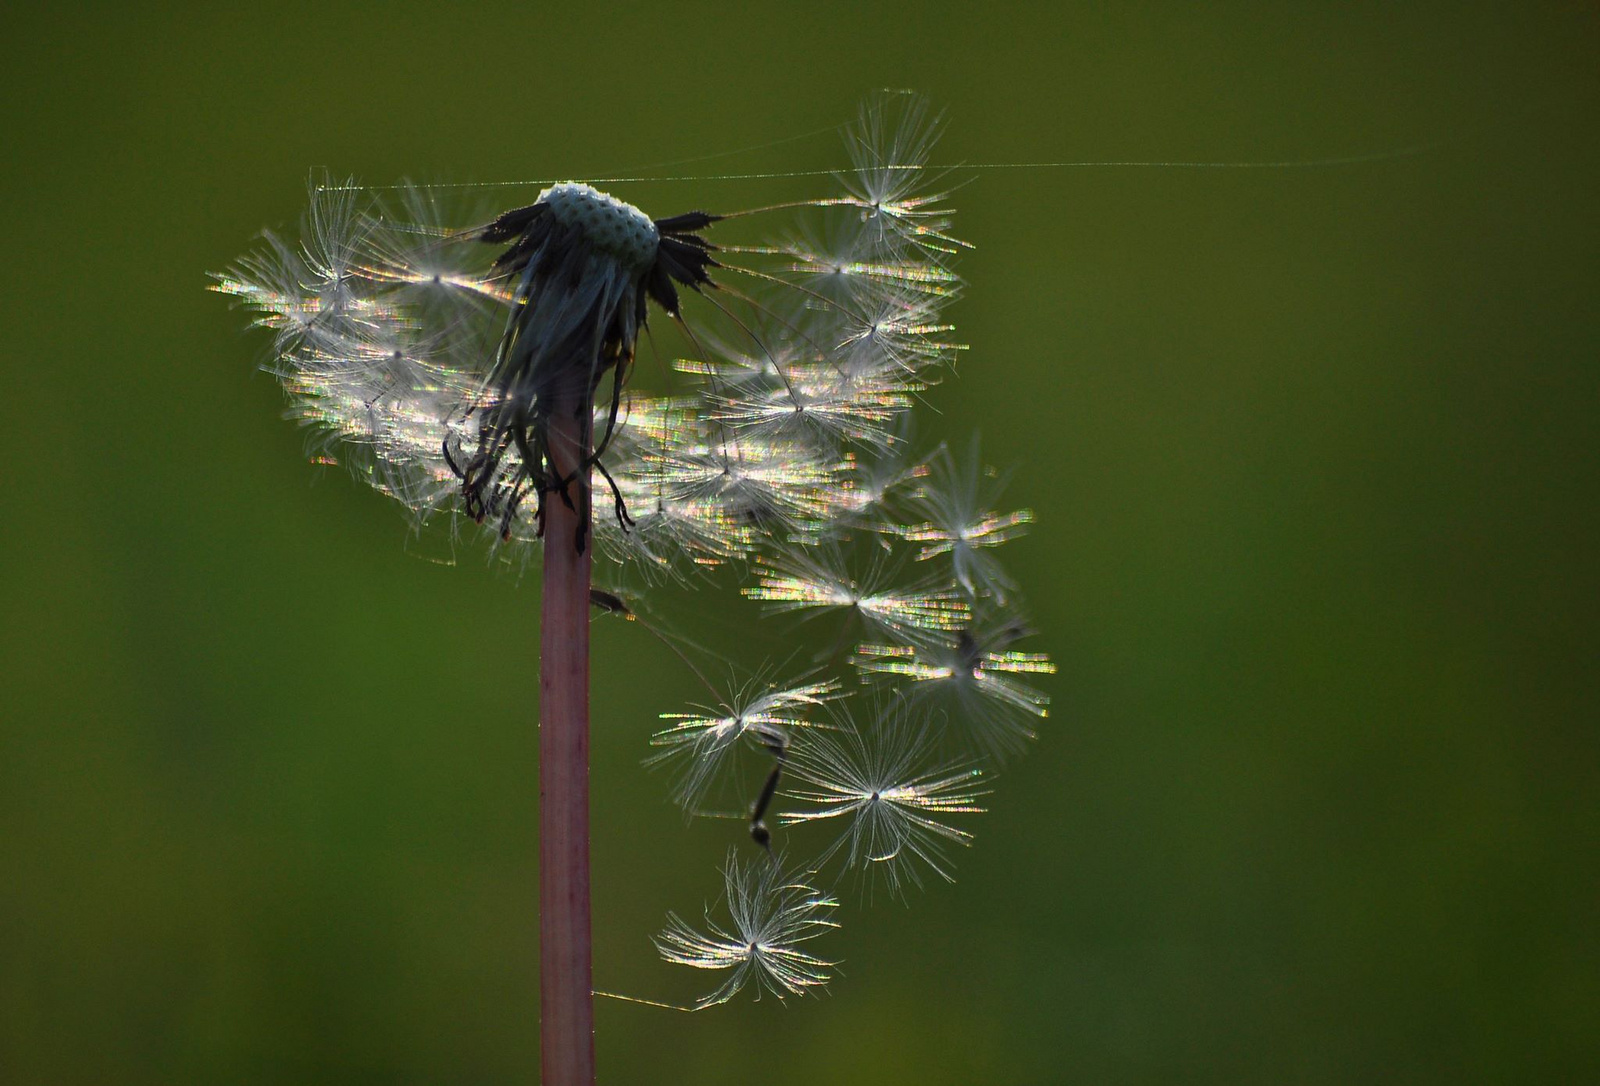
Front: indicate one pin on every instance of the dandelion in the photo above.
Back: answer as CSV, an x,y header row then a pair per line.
x,y
771,916
479,370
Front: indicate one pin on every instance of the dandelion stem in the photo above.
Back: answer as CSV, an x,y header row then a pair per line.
x,y
565,985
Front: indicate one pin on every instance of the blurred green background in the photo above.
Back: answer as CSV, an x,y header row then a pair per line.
x,y
1313,456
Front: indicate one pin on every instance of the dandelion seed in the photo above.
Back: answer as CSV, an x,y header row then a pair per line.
x,y
898,337
770,917
702,745
851,265
300,291
970,681
955,499
780,485
813,404
884,784
891,148
413,250
866,484
819,578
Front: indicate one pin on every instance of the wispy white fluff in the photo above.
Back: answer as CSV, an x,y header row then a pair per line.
x,y
771,917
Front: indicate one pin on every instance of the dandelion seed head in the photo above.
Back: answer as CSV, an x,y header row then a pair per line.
x,y
425,347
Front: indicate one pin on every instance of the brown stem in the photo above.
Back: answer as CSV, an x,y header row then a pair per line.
x,y
566,1025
